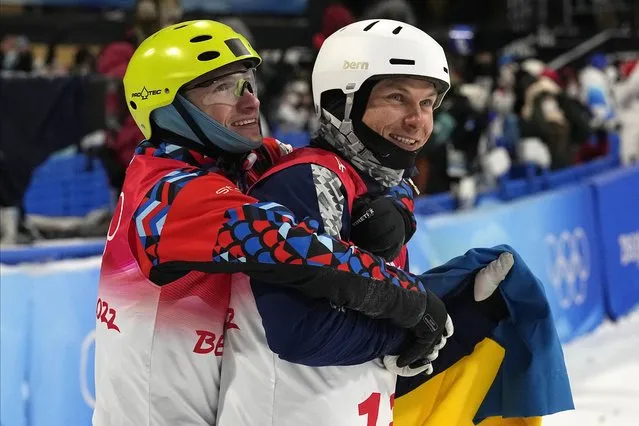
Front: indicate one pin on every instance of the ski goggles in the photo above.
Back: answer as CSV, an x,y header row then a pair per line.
x,y
226,89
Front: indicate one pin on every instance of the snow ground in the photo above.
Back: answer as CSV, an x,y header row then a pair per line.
x,y
604,374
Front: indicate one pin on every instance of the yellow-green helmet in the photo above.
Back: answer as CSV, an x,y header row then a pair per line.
x,y
175,55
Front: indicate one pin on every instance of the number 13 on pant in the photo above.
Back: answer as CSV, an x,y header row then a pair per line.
x,y
370,408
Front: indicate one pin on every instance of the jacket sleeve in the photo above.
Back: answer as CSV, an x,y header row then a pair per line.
x,y
307,331
194,220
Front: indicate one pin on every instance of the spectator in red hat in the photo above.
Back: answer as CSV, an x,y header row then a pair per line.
x,y
115,144
551,74
336,16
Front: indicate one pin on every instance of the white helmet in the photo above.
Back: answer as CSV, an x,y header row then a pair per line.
x,y
378,47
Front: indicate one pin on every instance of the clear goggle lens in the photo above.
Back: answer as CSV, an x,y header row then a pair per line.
x,y
227,89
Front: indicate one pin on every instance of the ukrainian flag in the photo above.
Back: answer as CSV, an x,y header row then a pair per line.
x,y
512,378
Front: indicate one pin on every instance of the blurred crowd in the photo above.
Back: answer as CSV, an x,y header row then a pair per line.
x,y
504,115
114,144
507,114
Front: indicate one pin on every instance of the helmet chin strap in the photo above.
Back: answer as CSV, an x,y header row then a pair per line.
x,y
352,149
346,125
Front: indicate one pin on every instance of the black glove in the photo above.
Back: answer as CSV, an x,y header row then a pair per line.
x,y
378,226
429,335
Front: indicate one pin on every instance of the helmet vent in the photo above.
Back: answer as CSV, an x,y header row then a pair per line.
x,y
180,26
201,38
397,30
371,25
446,70
133,105
398,61
208,56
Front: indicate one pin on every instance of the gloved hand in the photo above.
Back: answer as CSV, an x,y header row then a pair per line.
x,y
489,302
426,367
429,335
489,278
263,158
378,226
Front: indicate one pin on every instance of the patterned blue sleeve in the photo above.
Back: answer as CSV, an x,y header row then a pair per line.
x,y
310,331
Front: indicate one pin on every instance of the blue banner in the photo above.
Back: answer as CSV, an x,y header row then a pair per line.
x,y
617,197
15,312
555,233
49,313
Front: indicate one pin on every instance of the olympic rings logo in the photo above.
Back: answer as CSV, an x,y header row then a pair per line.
x,y
569,266
88,394
111,233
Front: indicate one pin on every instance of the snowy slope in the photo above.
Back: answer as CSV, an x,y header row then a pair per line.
x,y
604,374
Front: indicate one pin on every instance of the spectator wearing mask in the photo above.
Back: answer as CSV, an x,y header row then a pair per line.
x,y
543,118
597,94
627,91
15,54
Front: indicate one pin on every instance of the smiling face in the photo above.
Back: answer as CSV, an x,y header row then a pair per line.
x,y
401,110
229,96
